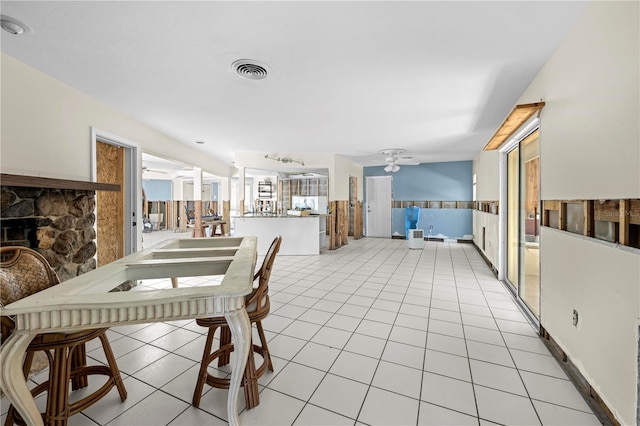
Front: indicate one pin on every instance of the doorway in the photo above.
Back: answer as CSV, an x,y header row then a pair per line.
x,y
115,160
379,199
523,221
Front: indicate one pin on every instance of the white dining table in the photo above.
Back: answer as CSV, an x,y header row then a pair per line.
x,y
87,302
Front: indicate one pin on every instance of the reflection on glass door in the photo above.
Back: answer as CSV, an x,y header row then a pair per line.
x,y
523,221
513,199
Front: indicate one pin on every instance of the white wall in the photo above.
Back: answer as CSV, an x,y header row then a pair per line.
x,y
487,171
602,283
589,135
339,184
590,149
491,223
46,128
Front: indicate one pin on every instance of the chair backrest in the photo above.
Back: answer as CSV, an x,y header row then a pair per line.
x,y
258,301
190,215
24,273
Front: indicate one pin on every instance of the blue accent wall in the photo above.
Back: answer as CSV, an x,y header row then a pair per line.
x,y
450,181
157,190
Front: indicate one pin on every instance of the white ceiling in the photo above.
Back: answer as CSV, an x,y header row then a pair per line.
x,y
436,78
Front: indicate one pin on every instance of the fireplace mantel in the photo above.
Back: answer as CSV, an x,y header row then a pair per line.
x,y
43,182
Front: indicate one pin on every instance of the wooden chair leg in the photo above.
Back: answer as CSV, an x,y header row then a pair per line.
x,y
250,383
113,366
263,342
28,360
67,363
202,375
79,360
57,412
225,339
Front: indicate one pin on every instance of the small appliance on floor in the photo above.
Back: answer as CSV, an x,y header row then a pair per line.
x,y
415,239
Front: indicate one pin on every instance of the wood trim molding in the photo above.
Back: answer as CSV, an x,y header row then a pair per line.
x,y
43,182
518,116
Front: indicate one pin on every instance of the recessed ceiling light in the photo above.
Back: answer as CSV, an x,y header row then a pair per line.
x,y
200,142
13,26
250,69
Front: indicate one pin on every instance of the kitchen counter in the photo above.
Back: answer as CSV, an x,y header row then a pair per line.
x,y
301,235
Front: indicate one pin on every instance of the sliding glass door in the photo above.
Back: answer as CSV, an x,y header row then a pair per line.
x,y
523,221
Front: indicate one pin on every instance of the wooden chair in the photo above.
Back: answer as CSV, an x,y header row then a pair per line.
x,y
257,305
25,272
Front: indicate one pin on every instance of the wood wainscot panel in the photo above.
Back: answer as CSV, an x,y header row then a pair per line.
x,y
110,205
358,222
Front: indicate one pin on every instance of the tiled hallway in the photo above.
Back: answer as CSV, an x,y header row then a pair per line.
x,y
370,334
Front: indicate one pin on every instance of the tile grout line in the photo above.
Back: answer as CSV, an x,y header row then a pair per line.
x,y
512,360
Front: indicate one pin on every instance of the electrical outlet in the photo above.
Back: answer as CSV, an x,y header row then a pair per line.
x,y
575,318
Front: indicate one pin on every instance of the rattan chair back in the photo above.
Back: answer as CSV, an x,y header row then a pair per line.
x,y
23,273
257,303
258,306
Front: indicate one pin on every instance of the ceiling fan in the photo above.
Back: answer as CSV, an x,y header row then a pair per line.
x,y
146,169
393,159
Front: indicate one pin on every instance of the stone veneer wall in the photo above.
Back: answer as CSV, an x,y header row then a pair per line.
x,y
64,219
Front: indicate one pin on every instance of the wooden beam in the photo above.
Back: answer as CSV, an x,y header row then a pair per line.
x,y
518,116
562,217
551,205
634,212
589,224
43,182
624,222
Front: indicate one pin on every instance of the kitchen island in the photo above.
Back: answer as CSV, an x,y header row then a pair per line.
x,y
301,235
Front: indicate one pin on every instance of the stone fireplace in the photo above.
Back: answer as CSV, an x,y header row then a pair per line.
x,y
58,223
56,217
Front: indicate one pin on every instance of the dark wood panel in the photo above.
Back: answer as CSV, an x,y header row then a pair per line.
x,y
44,182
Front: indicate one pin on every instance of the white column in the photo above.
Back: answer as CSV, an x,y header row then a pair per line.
x,y
241,192
197,197
197,183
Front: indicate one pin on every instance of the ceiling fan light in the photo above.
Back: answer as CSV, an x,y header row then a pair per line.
x,y
395,168
389,168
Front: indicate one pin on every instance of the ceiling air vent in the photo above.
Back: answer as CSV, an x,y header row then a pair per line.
x,y
250,69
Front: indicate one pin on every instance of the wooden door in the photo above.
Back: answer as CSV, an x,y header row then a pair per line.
x,y
110,168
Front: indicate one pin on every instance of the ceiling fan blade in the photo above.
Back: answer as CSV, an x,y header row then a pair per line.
x,y
144,169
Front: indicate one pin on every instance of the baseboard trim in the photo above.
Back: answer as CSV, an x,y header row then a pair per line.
x,y
486,259
590,395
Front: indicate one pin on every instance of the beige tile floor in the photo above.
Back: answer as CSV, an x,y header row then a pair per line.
x,y
370,334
